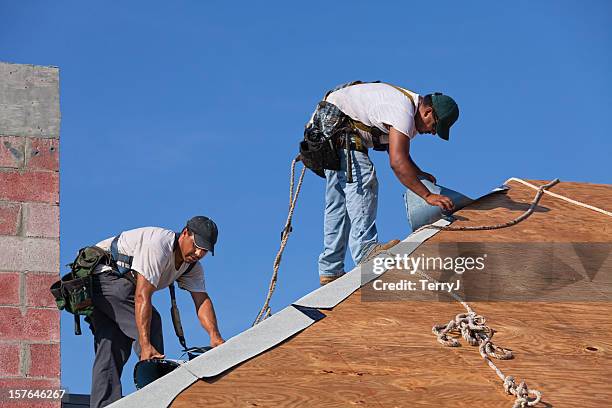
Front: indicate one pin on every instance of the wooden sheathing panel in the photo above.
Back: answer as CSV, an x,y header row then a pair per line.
x,y
383,354
358,355
553,221
551,343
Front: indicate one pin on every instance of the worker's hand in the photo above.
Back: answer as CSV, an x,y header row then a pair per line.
x,y
441,201
216,341
428,176
149,352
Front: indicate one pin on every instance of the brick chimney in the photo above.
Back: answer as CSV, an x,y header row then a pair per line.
x,y
29,231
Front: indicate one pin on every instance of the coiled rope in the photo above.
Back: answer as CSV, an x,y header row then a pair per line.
x,y
474,330
265,311
472,326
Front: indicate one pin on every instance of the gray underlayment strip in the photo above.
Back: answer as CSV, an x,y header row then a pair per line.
x,y
263,336
159,393
330,295
424,234
248,344
267,334
333,293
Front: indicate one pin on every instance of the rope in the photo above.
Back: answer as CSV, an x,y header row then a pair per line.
x,y
522,217
472,326
474,330
569,200
265,311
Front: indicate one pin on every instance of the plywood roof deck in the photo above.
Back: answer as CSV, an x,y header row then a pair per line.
x,y
383,354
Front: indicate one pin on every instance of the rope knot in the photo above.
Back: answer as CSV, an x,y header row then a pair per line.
x,y
522,393
509,384
474,330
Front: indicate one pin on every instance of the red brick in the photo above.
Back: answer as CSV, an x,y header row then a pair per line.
x,y
9,288
44,360
11,151
10,214
29,254
12,323
42,154
38,403
42,324
9,359
29,186
24,403
7,384
41,220
37,289
36,325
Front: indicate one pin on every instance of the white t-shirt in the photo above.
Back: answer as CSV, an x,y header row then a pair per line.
x,y
152,249
377,105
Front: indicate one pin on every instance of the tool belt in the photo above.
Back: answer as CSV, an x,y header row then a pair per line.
x,y
324,136
318,150
73,292
355,144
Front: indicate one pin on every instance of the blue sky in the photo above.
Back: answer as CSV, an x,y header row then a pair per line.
x,y
172,109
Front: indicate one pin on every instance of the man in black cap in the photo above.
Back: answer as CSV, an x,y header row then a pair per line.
x,y
147,260
383,117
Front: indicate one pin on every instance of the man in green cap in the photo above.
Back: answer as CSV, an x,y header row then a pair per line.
x,y
383,117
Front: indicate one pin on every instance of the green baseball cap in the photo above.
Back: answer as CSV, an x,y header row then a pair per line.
x,y
447,112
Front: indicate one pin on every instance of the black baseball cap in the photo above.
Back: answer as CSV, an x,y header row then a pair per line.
x,y
205,232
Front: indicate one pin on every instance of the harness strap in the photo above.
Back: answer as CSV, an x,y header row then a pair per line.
x,y
174,312
120,258
176,317
406,93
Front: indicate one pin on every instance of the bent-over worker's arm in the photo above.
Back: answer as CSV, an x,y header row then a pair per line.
x,y
420,172
418,169
407,172
206,315
144,311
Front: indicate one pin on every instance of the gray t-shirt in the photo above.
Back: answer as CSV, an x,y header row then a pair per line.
x,y
152,249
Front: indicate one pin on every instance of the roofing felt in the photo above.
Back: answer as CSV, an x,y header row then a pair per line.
x,y
382,353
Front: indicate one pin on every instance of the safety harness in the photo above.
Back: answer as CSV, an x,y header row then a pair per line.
x,y
121,263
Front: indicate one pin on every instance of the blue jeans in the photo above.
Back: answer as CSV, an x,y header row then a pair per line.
x,y
350,213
